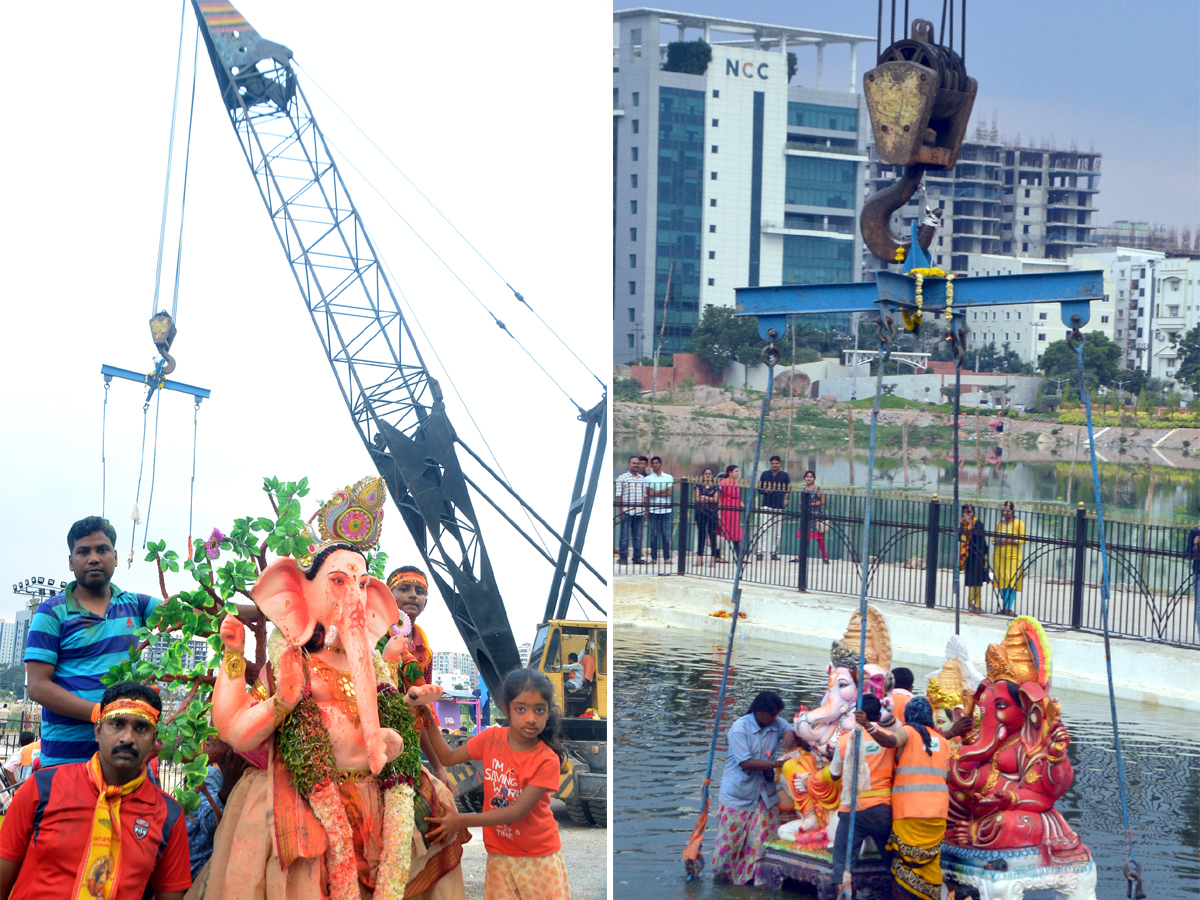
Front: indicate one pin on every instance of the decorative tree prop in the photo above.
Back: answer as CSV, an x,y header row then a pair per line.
x,y
222,567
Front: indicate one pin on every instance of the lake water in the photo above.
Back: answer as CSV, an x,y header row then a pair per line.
x,y
666,685
1159,490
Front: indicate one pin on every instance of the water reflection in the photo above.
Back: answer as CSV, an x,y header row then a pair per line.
x,y
992,475
666,684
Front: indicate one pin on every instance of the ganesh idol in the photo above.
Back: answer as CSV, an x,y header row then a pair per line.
x,y
817,730
335,806
1006,776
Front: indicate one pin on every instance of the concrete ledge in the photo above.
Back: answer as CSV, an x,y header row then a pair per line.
x,y
1152,674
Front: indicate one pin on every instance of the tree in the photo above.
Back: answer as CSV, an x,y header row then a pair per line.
x,y
688,57
1189,358
12,680
1004,361
791,65
720,338
1100,358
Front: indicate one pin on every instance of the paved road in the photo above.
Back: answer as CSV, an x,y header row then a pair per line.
x,y
585,851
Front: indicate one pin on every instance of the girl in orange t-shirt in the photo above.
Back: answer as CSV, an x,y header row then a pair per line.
x,y
521,766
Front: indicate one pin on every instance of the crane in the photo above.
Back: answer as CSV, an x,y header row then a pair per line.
x,y
396,405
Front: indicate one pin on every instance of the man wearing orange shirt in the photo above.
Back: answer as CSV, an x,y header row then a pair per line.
x,y
99,828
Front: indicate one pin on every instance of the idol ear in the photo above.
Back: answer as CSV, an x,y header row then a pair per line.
x,y
381,608
279,593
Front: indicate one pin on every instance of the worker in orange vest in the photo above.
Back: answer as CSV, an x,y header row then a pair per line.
x,y
920,799
902,692
873,816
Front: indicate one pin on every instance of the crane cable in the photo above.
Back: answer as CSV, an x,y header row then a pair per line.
x,y
517,294
412,315
162,229
1132,871
495,319
157,278
693,855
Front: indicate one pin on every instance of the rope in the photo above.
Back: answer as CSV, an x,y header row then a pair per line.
x,y
162,229
103,458
153,468
453,227
192,489
886,341
770,356
1076,340
136,515
187,158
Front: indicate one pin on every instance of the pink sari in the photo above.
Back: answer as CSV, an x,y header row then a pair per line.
x,y
731,510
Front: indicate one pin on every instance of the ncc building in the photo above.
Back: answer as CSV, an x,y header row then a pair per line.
x,y
730,178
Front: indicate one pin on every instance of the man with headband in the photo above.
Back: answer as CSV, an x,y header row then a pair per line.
x,y
99,830
411,591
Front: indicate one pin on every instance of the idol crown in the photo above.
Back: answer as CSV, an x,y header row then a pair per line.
x,y
352,518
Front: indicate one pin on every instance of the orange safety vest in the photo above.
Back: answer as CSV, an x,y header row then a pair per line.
x,y
919,780
899,701
879,763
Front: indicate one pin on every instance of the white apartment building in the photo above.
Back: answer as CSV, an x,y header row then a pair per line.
x,y
1122,316
1174,310
447,662
727,179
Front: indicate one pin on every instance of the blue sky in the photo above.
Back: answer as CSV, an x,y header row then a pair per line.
x,y
1122,78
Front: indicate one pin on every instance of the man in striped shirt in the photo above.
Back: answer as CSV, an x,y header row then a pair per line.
x,y
75,637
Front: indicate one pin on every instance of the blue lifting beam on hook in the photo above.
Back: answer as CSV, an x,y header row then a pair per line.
x,y
111,372
1073,291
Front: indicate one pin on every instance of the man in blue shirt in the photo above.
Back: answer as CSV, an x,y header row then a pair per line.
x,y
75,637
749,811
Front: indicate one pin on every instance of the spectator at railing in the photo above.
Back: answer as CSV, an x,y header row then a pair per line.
x,y
817,524
1010,538
773,486
731,509
706,499
659,487
631,510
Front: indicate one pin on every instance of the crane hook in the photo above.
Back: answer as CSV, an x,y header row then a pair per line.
x,y
877,213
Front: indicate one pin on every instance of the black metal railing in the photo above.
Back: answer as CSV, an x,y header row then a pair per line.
x,y
912,557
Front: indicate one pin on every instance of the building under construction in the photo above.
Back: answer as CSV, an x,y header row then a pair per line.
x,y
1001,198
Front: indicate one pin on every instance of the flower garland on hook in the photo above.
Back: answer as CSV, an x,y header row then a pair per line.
x,y
913,320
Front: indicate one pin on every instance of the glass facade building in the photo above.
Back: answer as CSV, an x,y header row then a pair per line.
x,y
816,115
680,198
813,181
816,260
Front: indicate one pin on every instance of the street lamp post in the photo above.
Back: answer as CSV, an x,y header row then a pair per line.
x,y
34,589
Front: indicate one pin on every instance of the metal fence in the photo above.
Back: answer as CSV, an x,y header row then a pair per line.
x,y
913,557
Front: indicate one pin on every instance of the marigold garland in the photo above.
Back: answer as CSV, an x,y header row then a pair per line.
x,y
308,754
912,321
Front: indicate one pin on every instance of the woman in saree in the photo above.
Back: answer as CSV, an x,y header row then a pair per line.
x,y
1009,541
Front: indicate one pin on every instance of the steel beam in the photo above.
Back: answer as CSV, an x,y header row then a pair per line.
x,y
1073,291
111,372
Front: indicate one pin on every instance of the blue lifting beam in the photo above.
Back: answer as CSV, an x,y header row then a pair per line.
x,y
1073,291
153,382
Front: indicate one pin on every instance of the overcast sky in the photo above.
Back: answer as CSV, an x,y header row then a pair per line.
x,y
471,110
1121,78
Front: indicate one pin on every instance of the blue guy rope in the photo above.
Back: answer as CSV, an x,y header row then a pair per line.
x,y
885,352
770,357
1076,340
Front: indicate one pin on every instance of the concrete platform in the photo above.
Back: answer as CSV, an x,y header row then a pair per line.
x,y
1153,674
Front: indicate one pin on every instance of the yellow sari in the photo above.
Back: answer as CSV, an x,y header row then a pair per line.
x,y
1007,557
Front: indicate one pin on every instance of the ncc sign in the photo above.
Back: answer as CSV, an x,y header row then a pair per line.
x,y
746,70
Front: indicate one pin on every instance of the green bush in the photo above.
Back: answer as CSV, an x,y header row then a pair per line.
x,y
627,389
688,57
